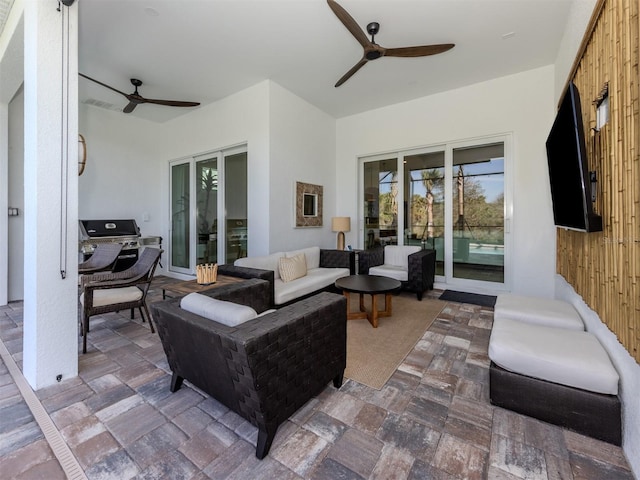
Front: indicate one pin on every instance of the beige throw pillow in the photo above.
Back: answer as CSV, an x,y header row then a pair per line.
x,y
292,268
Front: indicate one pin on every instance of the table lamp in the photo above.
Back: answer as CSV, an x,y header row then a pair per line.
x,y
341,225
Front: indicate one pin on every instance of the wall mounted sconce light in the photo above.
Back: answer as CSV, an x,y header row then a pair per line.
x,y
82,154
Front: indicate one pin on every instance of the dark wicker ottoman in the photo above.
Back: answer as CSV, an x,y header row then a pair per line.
x,y
593,414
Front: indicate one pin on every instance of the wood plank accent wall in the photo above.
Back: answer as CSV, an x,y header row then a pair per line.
x,y
604,268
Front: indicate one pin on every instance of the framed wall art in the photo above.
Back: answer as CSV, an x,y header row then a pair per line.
x,y
308,198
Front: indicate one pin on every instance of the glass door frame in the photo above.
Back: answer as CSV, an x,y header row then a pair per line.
x,y
448,279
219,156
191,269
469,284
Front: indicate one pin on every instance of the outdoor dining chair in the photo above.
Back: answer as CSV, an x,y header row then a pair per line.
x,y
111,292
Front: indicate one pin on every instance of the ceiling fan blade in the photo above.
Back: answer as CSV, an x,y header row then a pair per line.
x,y
421,51
170,103
348,21
353,70
130,107
103,84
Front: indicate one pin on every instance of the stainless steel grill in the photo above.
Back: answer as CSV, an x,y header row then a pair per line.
x,y
124,232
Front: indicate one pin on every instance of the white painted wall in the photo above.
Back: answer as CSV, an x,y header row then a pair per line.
x,y
15,190
288,139
4,203
11,74
520,104
239,119
122,178
579,16
302,148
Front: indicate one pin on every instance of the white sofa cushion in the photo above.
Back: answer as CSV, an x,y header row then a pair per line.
x,y
312,254
316,279
541,311
112,296
398,273
398,255
558,355
292,268
227,313
266,262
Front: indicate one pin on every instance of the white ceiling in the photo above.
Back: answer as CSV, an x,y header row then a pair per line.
x,y
205,50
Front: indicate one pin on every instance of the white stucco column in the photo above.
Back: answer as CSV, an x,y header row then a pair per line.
x,y
51,192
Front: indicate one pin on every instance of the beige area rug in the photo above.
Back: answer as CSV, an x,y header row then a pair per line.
x,y
373,354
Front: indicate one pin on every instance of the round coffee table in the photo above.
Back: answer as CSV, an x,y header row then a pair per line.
x,y
373,285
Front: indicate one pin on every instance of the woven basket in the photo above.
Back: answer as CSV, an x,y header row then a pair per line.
x,y
206,273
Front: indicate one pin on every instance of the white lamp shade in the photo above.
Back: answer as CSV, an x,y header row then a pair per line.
x,y
341,224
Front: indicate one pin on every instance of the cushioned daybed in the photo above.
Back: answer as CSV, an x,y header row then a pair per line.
x,y
561,375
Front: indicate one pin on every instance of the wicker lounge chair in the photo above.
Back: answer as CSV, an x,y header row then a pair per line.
x,y
112,292
266,368
416,272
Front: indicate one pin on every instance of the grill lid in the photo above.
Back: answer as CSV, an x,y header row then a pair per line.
x,y
108,228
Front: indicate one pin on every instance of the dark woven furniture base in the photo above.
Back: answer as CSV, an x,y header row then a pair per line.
x,y
264,369
593,414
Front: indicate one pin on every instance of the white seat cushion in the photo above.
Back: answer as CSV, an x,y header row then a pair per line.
x,y
398,273
312,255
112,296
540,311
558,355
315,279
266,262
227,313
398,255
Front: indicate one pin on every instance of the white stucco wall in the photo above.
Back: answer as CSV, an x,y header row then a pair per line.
x,y
11,73
4,203
15,191
127,172
239,119
122,177
302,148
579,16
288,139
521,105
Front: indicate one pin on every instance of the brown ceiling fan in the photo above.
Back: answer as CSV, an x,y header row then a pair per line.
x,y
136,99
373,51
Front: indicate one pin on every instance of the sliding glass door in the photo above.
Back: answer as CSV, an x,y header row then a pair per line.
x,y
380,202
453,200
478,213
208,209
180,216
424,196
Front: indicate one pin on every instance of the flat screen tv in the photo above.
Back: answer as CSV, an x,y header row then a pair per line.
x,y
568,168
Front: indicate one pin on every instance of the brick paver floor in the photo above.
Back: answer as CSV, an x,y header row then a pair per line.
x,y
432,420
